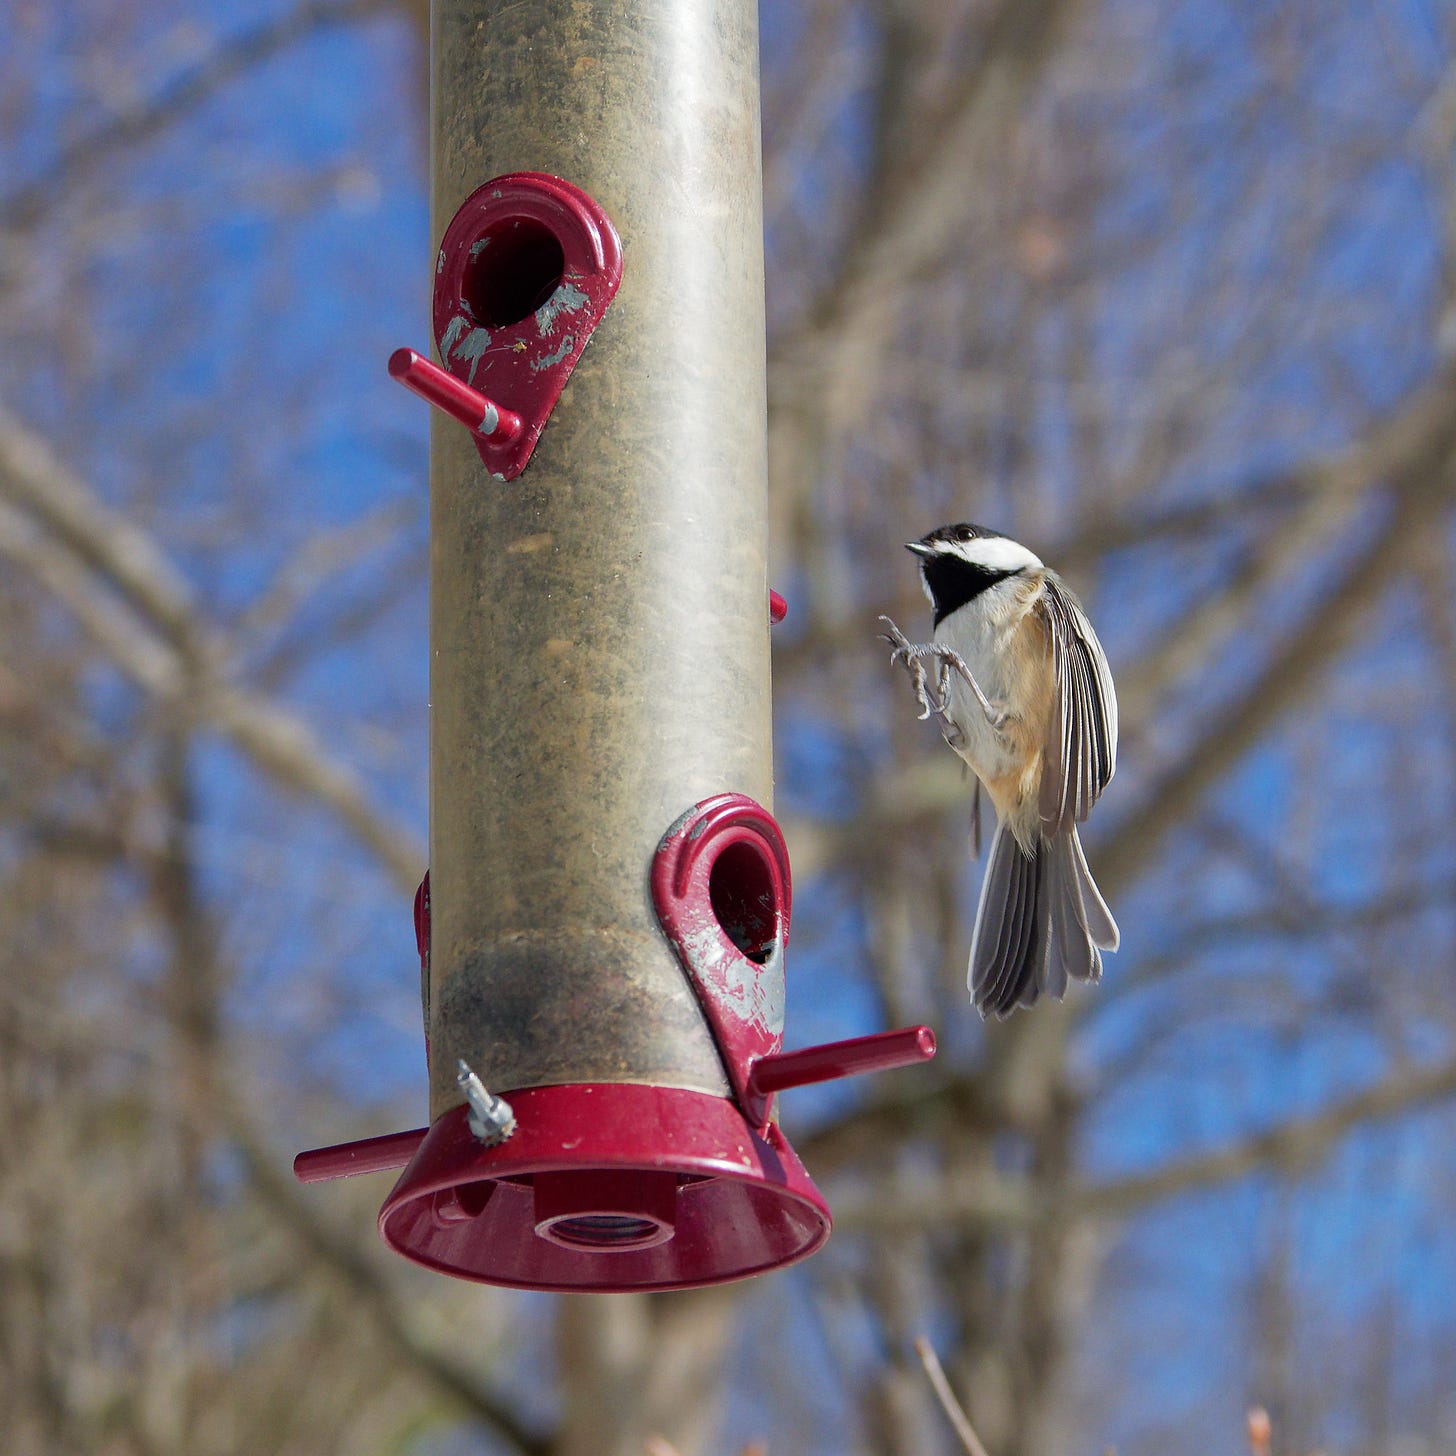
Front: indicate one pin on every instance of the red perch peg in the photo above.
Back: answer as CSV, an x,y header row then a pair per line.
x,y
491,421
368,1155
877,1053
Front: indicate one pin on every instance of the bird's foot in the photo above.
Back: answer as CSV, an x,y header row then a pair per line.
x,y
915,656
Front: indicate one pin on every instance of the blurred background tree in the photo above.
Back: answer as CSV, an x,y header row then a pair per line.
x,y
1164,291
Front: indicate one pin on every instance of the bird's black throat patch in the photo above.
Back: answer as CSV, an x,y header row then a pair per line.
x,y
953,581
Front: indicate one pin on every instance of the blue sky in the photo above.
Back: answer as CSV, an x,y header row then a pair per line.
x,y
208,346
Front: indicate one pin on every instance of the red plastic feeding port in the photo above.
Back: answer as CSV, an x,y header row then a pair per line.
x,y
723,894
606,1187
722,891
526,270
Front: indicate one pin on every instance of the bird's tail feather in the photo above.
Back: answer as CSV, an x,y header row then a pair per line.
x,y
1097,918
1041,921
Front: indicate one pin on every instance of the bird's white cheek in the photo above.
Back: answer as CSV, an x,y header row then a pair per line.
x,y
996,553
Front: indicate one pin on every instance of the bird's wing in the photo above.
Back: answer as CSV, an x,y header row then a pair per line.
x,y
1081,747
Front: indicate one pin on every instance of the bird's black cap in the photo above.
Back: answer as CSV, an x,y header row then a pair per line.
x,y
947,535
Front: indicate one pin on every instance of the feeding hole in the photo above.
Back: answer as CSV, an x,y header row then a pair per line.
x,y
741,891
514,267
607,1231
604,1210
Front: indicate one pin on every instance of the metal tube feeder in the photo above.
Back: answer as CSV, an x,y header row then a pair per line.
x,y
603,929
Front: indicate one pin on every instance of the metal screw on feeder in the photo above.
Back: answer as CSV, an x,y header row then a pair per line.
x,y
490,1118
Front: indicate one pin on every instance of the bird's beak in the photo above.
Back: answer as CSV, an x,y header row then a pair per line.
x,y
920,548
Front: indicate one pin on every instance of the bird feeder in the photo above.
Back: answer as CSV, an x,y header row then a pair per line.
x,y
604,925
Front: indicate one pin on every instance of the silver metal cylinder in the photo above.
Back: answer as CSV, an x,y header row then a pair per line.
x,y
599,630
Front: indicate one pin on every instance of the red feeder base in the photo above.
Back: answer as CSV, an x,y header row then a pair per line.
x,y
606,1187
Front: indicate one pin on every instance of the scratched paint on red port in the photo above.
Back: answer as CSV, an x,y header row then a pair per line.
x,y
721,887
526,271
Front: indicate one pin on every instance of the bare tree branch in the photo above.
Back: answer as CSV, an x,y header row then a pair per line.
x,y
955,1414
159,639
1296,1144
1331,490
1325,634
908,219
130,562
1322,920
923,203
184,94
321,557
449,1373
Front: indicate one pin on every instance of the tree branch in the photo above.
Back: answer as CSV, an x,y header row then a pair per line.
x,y
1294,1144
232,58
157,637
339,1256
923,203
1291,673
920,1203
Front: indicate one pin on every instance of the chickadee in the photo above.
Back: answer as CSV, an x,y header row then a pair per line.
x,y
1025,696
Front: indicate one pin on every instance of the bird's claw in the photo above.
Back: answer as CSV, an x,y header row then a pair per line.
x,y
904,650
914,656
